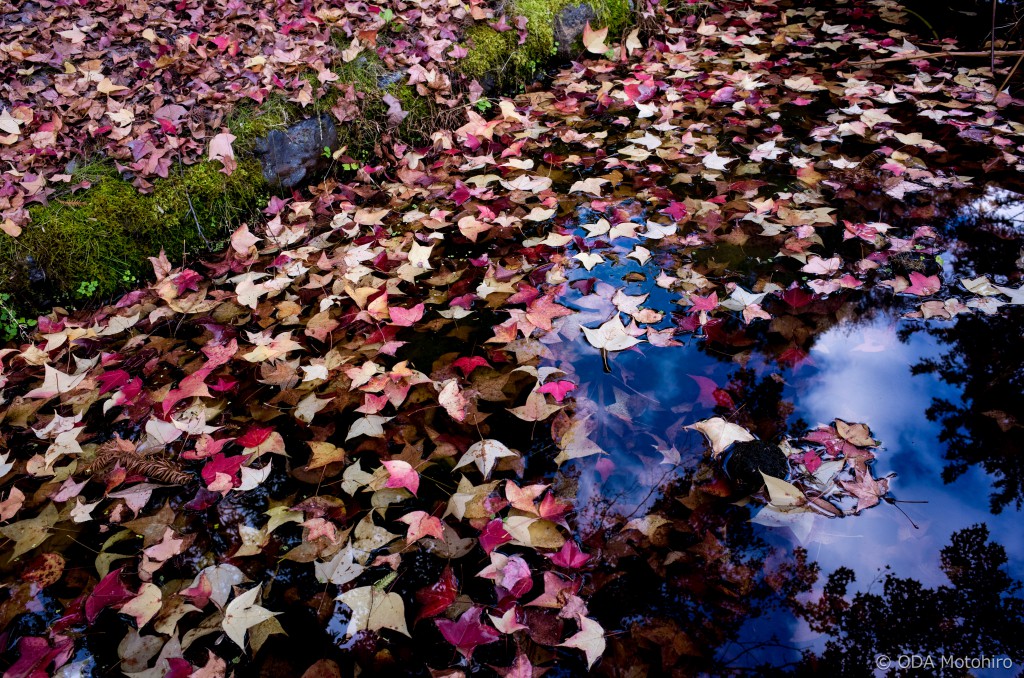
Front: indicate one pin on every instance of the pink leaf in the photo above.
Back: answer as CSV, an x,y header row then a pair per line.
x,y
570,556
494,535
220,149
402,474
406,317
557,389
923,285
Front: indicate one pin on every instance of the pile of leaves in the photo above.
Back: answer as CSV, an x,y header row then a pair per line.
x,y
149,86
373,413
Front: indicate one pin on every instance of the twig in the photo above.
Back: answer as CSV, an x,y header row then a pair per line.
x,y
1012,71
939,55
992,38
923,20
191,208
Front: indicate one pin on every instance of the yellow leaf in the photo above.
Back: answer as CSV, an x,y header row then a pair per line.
x,y
107,86
324,454
783,494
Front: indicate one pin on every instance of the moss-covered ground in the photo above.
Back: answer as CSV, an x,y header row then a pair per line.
x,y
500,55
95,242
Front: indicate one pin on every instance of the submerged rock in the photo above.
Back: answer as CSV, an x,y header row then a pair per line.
x,y
293,155
744,462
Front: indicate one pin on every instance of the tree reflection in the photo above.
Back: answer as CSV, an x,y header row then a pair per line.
x,y
979,614
982,355
984,427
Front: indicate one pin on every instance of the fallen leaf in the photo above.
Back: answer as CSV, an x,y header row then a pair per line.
x,y
485,453
590,639
721,433
467,633
594,40
242,614
373,610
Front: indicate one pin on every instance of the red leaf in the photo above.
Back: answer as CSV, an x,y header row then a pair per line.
x,y
797,298
811,461
570,556
467,633
552,509
223,464
110,592
494,535
468,364
675,211
113,380
254,436
179,668
35,654
439,597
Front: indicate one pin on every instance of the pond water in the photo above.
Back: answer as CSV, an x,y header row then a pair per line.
x,y
880,368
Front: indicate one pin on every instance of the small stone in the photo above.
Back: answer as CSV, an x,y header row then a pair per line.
x,y
744,462
294,155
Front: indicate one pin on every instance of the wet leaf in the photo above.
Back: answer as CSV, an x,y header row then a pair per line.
x,y
467,633
485,453
242,614
373,610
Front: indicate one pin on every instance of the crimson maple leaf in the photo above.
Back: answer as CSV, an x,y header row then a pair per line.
x,y
494,535
110,592
467,633
437,598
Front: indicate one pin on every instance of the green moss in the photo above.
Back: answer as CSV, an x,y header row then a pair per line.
x,y
487,50
498,53
249,121
96,241
365,74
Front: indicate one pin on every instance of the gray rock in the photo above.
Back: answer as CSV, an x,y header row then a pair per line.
x,y
569,25
390,78
294,155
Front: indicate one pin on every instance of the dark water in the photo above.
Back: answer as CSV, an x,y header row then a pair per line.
x,y
933,392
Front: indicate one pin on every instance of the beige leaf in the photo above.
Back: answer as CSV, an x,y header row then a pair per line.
x,y
243,613
594,40
534,532
721,433
611,336
855,434
590,639
484,454
373,609
537,408
145,605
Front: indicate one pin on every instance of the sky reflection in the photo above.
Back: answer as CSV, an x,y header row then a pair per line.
x,y
863,374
